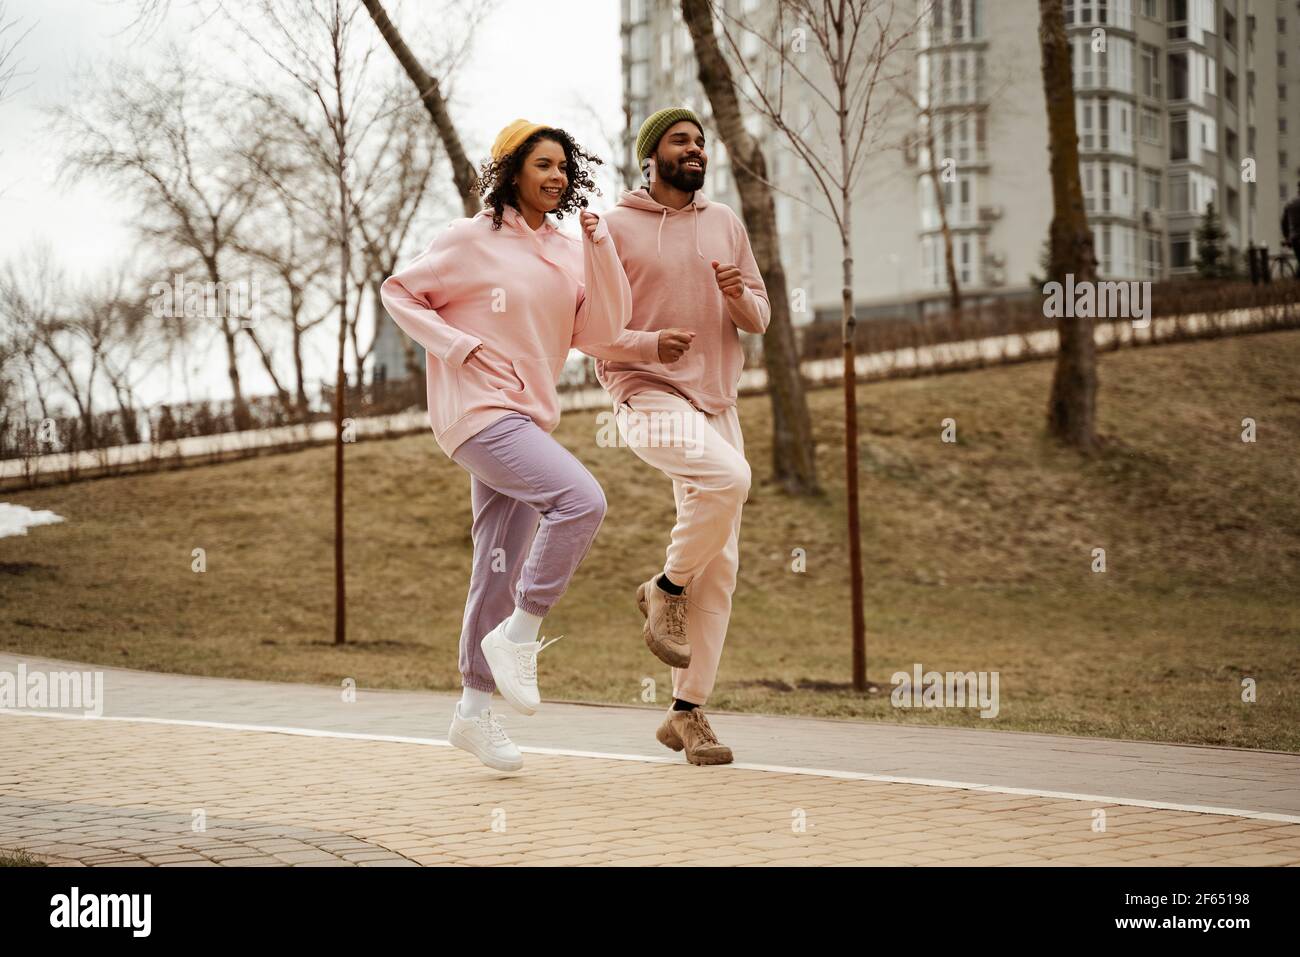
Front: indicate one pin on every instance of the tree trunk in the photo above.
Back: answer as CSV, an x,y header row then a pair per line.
x,y
949,259
462,170
1071,410
282,394
849,328
793,457
851,392
239,406
300,380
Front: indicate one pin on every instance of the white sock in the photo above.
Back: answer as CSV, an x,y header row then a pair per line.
x,y
521,627
472,702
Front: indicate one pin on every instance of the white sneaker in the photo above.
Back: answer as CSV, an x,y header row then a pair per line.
x,y
484,738
514,667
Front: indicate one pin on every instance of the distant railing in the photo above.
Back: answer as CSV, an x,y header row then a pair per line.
x,y
983,334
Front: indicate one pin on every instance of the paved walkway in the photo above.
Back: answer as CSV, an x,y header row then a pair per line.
x,y
195,771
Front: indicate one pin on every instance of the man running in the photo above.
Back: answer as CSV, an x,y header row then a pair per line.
x,y
672,377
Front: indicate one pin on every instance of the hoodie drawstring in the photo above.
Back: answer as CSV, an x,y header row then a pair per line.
x,y
659,234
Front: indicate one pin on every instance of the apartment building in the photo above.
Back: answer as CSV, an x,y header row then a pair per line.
x,y
1179,103
1286,52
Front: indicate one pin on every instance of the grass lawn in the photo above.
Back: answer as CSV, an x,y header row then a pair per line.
x,y
978,557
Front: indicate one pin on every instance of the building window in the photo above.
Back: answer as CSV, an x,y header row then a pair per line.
x,y
1151,256
1150,126
1178,76
1180,250
1087,130
1151,189
1179,195
1150,71
1178,137
955,20
1081,12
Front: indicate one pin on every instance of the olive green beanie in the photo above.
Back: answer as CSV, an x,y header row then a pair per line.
x,y
656,125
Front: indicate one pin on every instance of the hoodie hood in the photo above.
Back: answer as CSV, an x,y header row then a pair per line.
x,y
642,200
539,237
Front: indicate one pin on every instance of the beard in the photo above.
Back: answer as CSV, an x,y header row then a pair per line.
x,y
678,177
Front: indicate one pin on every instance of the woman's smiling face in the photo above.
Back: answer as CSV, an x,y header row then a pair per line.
x,y
543,177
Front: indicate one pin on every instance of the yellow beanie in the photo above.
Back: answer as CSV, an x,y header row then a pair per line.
x,y
508,139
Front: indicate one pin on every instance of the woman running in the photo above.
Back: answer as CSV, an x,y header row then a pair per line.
x,y
497,301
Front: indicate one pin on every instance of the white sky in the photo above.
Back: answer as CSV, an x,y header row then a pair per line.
x,y
545,62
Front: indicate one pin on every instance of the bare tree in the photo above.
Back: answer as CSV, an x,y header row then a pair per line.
x,y
930,102
397,184
118,329
291,235
34,301
11,37
429,89
161,139
794,464
850,75
1071,410
316,43
31,290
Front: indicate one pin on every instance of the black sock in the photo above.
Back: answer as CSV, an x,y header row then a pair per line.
x,y
680,705
666,584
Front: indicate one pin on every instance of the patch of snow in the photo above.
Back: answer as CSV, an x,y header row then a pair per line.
x,y
14,519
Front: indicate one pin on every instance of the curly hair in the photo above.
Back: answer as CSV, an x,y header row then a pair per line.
x,y
496,178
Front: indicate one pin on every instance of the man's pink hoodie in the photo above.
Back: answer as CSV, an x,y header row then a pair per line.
x,y
667,255
526,295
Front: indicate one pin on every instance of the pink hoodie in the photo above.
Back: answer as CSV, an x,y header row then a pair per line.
x,y
519,292
667,255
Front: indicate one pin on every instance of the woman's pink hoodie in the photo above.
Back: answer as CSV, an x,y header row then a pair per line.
x,y
526,295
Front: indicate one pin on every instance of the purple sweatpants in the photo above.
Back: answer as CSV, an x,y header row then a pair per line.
x,y
518,475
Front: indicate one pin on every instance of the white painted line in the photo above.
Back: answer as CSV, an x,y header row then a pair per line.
x,y
738,766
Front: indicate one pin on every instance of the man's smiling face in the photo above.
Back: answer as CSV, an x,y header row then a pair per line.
x,y
680,159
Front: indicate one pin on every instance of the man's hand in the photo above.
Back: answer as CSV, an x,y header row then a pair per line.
x,y
673,344
589,222
729,279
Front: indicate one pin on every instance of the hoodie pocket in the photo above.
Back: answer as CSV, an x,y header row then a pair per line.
x,y
537,375
445,402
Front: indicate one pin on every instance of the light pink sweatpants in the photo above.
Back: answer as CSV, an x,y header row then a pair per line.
x,y
704,455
